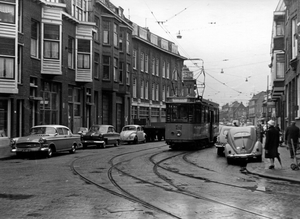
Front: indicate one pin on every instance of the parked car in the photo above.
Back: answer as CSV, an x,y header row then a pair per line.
x,y
222,139
5,145
101,135
133,134
47,139
242,143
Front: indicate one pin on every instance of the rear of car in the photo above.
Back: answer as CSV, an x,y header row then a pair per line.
x,y
132,134
243,144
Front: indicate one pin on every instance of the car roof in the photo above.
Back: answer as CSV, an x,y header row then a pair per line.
x,y
132,125
103,125
54,126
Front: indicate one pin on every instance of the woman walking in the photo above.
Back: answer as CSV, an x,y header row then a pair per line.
x,y
272,143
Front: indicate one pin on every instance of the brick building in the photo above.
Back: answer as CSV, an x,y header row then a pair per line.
x,y
71,63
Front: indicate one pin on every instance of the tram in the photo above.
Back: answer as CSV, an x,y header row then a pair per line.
x,y
191,122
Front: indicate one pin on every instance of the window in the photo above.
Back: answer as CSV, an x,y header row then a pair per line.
x,y
279,28
115,35
157,67
96,65
142,90
127,43
96,34
134,88
279,66
79,10
121,42
116,70
134,59
146,63
71,54
164,93
7,13
83,55
7,68
51,41
164,69
153,91
157,93
20,61
35,37
153,66
127,74
106,67
142,61
121,64
168,70
20,16
146,90
105,32
294,38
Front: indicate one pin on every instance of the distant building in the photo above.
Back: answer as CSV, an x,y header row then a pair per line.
x,y
255,105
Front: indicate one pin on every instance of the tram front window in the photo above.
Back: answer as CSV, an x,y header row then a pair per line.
x,y
179,113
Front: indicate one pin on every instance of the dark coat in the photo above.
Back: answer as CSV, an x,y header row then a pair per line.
x,y
292,132
272,142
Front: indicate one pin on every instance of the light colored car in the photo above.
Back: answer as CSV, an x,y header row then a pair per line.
x,y
222,139
242,143
132,134
47,139
5,145
101,135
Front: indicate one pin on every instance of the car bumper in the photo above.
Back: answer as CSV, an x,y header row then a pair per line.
x,y
219,145
243,156
28,150
93,142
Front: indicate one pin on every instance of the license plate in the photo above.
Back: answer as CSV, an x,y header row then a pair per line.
x,y
25,150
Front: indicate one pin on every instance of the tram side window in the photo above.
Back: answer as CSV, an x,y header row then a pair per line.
x,y
203,116
197,114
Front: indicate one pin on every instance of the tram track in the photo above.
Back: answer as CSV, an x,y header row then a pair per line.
x,y
124,193
185,192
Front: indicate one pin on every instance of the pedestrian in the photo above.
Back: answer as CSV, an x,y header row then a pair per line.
x,y
272,143
292,134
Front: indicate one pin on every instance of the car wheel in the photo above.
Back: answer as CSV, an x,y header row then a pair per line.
x,y
72,151
49,152
117,143
229,161
220,151
19,154
135,141
259,158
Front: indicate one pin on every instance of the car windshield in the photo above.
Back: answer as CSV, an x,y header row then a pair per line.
x,y
102,129
43,130
129,128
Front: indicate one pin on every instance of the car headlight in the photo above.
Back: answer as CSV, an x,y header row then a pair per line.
x,y
42,141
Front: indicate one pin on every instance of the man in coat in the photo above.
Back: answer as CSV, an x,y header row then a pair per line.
x,y
292,134
272,143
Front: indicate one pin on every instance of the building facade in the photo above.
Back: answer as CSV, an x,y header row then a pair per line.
x,y
79,63
156,75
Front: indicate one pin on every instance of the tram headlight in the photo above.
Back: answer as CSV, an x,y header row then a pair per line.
x,y
178,134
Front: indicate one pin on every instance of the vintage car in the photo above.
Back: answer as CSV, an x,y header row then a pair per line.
x,y
132,134
242,143
101,135
47,139
5,145
222,139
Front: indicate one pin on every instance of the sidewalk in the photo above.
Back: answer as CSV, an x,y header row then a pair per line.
x,y
283,173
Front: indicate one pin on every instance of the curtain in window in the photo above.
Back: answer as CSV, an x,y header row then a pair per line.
x,y
6,68
7,13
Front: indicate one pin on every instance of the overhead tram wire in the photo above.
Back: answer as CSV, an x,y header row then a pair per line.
x,y
200,68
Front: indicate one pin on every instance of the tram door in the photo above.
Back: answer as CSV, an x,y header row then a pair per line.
x,y
211,126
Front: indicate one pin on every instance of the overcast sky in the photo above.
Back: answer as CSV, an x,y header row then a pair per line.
x,y
233,35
